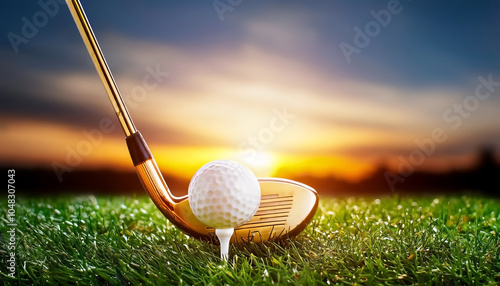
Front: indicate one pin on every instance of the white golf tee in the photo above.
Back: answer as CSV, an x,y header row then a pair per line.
x,y
224,235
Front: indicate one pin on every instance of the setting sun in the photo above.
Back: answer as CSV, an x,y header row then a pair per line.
x,y
263,164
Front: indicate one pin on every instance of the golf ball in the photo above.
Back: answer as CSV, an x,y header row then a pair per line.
x,y
224,194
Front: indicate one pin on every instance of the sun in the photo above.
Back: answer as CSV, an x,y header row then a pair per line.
x,y
262,164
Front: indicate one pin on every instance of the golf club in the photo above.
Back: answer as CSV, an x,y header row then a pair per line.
x,y
286,206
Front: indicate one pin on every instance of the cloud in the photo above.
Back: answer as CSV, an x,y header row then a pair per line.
x,y
285,31
221,96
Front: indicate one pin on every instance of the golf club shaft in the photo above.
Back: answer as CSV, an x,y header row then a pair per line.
x,y
146,167
101,66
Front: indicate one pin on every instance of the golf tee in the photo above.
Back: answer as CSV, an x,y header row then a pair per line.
x,y
224,235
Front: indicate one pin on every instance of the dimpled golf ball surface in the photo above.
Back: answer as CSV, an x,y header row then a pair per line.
x,y
224,194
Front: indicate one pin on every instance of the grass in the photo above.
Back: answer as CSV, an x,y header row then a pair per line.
x,y
352,241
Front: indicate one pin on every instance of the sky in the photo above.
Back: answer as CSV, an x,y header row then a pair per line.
x,y
322,88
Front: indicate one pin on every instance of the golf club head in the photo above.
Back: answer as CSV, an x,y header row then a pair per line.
x,y
285,209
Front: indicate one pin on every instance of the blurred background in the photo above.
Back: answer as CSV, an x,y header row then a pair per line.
x,y
350,97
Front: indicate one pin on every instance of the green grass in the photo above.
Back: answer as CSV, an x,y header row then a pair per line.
x,y
391,241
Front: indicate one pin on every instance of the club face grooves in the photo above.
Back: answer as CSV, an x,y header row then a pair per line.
x,y
273,211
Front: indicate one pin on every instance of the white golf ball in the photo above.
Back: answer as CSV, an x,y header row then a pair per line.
x,y
224,194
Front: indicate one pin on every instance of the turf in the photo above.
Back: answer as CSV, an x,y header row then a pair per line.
x,y
352,241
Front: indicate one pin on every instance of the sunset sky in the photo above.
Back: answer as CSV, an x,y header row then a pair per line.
x,y
265,83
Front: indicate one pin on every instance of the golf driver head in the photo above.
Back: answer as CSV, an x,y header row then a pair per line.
x,y
285,209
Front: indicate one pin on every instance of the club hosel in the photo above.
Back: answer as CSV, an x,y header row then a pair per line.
x,y
138,149
149,173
